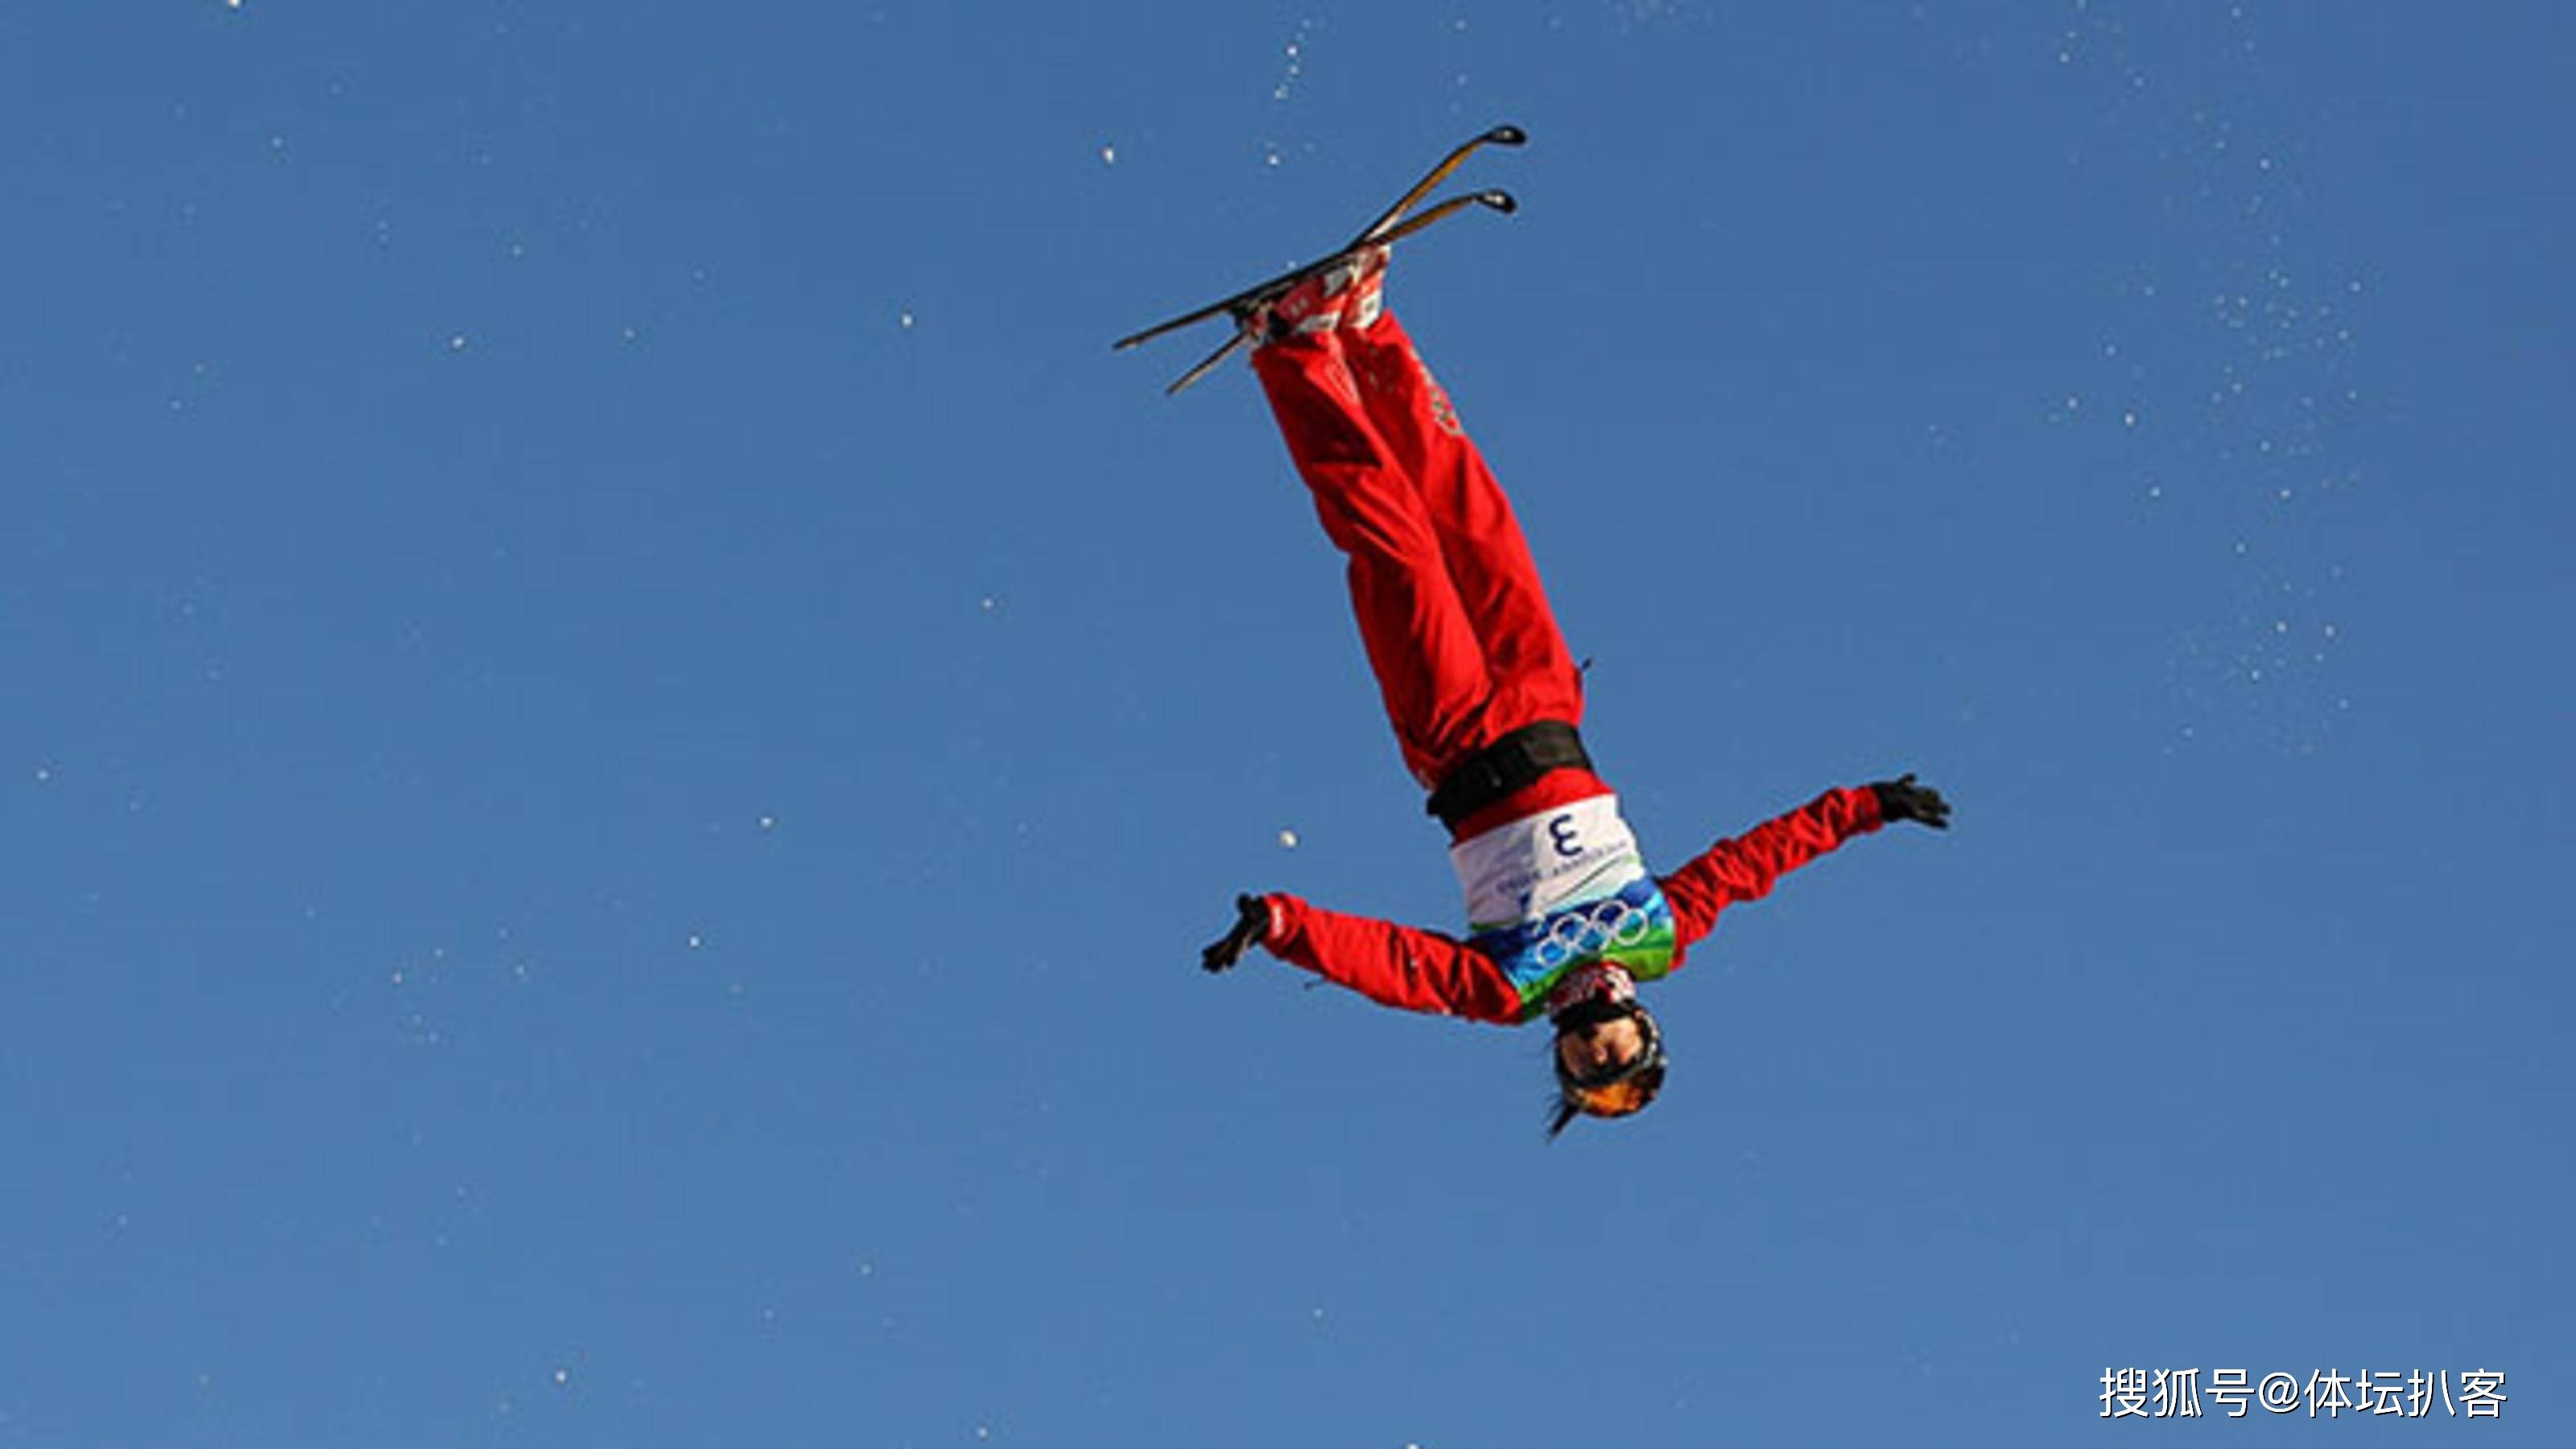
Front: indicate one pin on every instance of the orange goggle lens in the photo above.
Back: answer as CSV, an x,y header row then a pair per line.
x,y
1617,1099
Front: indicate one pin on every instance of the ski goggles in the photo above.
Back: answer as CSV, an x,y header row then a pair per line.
x,y
1617,1099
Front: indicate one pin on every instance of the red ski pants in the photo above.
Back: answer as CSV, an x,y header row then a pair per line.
x,y
1449,603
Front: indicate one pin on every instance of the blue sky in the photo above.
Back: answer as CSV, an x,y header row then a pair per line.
x,y
622,726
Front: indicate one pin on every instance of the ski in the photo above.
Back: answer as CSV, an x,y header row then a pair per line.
x,y
1252,296
1392,225
1499,136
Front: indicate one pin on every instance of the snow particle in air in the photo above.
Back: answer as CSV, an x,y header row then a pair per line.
x,y
696,941
904,320
563,1376
1288,840
1108,154
456,343
769,822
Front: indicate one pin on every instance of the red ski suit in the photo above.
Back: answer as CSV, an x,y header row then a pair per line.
x,y
1464,647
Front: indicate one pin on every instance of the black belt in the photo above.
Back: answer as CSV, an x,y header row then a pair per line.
x,y
1517,759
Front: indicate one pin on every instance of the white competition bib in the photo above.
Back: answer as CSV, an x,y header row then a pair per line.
x,y
1526,868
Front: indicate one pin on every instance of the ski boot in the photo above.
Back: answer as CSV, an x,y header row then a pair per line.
x,y
1349,294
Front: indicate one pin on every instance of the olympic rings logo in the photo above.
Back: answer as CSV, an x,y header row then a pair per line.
x,y
1590,931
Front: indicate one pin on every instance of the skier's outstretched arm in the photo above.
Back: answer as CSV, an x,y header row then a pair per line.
x,y
1747,866
1404,966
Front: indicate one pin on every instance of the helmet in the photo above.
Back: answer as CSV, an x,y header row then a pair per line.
x,y
1615,1091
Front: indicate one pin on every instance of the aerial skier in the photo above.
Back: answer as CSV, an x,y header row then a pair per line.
x,y
1564,918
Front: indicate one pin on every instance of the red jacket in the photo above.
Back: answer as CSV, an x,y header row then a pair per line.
x,y
1429,971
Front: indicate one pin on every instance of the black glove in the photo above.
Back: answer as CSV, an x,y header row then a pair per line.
x,y
1902,799
1251,924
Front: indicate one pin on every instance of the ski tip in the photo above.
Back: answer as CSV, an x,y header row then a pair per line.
x,y
1501,201
1507,135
